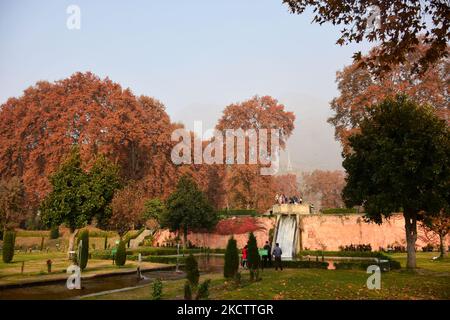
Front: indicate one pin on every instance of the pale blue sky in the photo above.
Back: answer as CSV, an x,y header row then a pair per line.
x,y
195,56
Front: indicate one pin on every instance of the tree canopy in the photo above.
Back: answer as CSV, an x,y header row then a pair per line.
x,y
325,187
359,90
245,186
127,208
78,195
39,128
400,161
12,203
188,209
398,25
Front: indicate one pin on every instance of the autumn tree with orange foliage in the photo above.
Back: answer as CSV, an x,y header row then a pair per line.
x,y
326,185
12,204
127,209
396,25
440,225
244,184
39,128
287,184
359,90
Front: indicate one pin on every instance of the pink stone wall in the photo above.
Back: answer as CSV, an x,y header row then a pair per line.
x,y
212,240
326,232
331,231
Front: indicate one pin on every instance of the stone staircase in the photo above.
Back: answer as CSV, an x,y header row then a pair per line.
x,y
134,243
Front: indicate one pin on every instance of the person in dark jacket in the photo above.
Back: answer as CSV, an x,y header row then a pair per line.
x,y
267,260
277,252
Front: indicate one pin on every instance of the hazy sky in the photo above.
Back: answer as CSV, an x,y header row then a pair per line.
x,y
195,56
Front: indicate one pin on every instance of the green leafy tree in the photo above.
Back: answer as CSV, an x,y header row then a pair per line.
x,y
79,196
188,209
253,258
9,240
154,209
231,265
84,254
399,162
70,201
121,254
104,180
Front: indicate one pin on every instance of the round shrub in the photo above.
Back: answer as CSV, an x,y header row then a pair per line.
x,y
9,240
84,254
203,290
121,254
192,273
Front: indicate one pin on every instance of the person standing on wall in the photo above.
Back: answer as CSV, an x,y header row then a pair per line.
x,y
277,252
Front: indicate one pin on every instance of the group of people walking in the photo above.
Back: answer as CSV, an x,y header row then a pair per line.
x,y
266,256
282,199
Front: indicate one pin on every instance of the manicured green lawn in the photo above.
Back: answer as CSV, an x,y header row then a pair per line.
x,y
431,281
425,261
35,267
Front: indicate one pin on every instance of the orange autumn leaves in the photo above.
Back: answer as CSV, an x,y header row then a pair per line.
x,y
359,90
39,128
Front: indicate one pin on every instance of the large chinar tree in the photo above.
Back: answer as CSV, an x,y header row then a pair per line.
x,y
38,129
399,162
245,186
188,209
79,196
397,25
12,203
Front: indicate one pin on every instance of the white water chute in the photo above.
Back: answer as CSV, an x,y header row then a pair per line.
x,y
285,237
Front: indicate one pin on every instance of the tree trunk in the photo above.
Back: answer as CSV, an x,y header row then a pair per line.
x,y
73,234
411,237
442,245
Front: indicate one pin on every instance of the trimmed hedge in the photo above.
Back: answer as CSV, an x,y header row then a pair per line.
x,y
84,254
102,234
160,259
237,212
339,211
393,265
357,254
9,240
32,234
300,264
165,251
121,254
